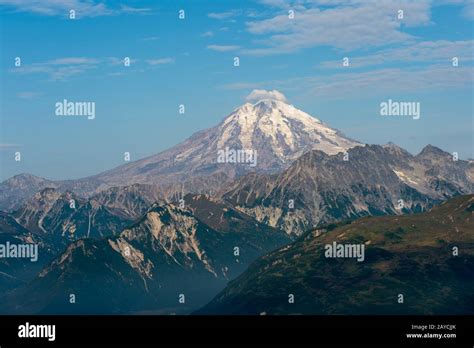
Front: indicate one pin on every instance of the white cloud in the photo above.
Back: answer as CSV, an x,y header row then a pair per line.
x,y
8,146
160,61
375,82
150,38
351,25
223,15
223,48
59,69
115,61
395,80
83,8
259,94
28,95
425,51
208,34
137,10
72,61
276,3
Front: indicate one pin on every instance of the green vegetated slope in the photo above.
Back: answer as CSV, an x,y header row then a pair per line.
x,y
412,255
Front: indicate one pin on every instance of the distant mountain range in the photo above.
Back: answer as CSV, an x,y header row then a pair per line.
x,y
135,238
65,217
367,180
49,220
411,255
282,138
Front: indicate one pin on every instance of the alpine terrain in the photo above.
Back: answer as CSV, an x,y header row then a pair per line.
x,y
320,188
413,264
278,133
168,253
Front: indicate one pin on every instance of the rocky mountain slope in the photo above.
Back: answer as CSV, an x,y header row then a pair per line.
x,y
60,218
427,258
49,221
19,188
15,272
172,250
367,180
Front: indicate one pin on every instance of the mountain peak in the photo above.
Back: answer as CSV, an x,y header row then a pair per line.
x,y
391,144
274,132
285,129
396,150
273,108
270,102
266,134
432,150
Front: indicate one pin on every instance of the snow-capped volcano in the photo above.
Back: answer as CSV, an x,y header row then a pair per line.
x,y
275,132
287,130
268,129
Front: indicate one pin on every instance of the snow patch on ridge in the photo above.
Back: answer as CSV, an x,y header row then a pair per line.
x,y
405,178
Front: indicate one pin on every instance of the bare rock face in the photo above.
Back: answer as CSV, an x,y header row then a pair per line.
x,y
367,180
61,218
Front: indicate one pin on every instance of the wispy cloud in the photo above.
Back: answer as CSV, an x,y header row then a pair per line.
x,y
223,15
277,3
351,25
28,95
421,52
115,61
150,38
136,10
259,94
208,34
223,48
83,8
376,82
8,146
73,61
60,68
160,61
396,80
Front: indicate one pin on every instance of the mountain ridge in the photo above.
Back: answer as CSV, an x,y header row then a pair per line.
x,y
367,180
167,251
277,132
427,257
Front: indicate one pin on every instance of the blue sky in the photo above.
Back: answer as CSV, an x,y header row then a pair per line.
x,y
190,62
